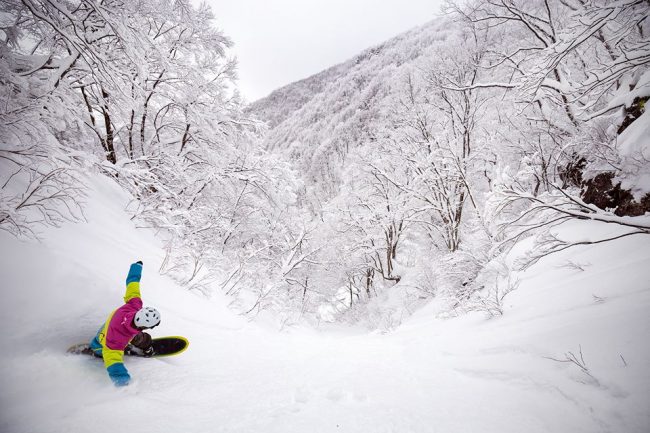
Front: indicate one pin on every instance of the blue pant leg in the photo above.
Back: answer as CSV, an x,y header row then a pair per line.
x,y
95,345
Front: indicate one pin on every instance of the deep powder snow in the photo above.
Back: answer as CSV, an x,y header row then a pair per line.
x,y
467,374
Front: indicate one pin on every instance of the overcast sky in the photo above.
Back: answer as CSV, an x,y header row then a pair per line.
x,y
280,41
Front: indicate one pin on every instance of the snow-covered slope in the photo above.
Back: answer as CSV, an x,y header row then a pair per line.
x,y
288,100
430,375
337,104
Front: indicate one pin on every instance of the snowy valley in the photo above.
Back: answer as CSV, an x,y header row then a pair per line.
x,y
470,373
449,232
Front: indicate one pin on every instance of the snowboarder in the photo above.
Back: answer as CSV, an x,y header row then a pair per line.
x,y
124,327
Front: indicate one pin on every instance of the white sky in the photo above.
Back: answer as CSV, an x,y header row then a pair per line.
x,y
281,41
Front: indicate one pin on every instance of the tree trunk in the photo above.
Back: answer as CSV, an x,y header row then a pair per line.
x,y
370,274
109,146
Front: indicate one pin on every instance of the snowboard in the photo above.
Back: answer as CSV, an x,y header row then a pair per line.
x,y
163,346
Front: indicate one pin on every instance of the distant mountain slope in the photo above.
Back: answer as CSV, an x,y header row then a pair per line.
x,y
283,102
346,95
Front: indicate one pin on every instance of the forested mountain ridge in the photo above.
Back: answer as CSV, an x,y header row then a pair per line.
x,y
324,109
285,101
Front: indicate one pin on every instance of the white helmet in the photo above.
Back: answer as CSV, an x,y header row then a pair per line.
x,y
147,317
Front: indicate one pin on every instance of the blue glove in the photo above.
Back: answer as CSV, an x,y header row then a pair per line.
x,y
119,374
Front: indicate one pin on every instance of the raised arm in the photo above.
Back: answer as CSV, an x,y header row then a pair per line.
x,y
133,282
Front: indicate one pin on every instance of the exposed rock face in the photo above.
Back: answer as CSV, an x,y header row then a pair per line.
x,y
601,192
632,113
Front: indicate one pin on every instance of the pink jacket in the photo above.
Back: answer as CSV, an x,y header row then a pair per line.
x,y
119,331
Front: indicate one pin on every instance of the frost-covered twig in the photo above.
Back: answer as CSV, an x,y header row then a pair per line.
x,y
492,302
574,265
577,360
45,196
